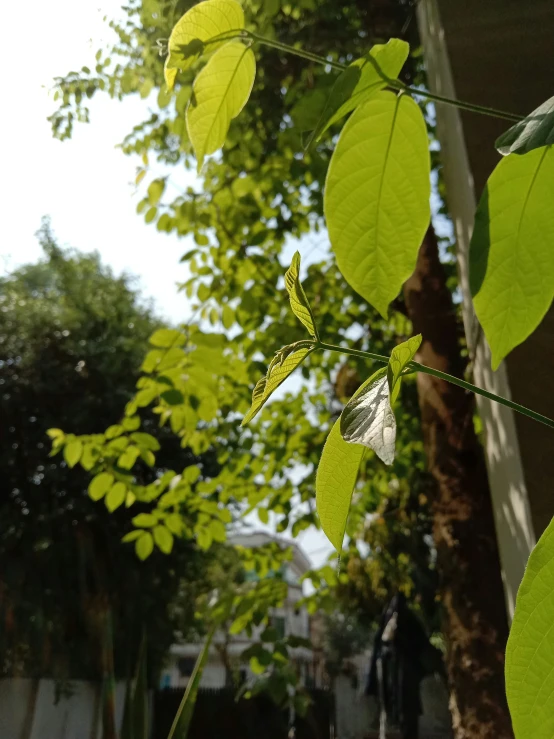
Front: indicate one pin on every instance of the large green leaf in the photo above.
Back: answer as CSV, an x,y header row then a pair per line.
x,y
512,250
530,649
181,723
362,80
220,92
534,131
377,196
335,479
201,23
298,300
368,418
276,374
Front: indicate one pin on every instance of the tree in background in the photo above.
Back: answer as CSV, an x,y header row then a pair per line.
x,y
72,338
260,193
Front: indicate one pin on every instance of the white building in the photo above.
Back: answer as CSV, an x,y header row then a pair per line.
x,y
289,620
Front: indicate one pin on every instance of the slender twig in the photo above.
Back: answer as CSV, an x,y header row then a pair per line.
x,y
416,367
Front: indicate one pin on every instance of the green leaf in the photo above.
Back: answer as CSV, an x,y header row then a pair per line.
x,y
145,520
100,485
335,479
175,524
377,196
530,648
228,316
147,441
128,458
277,374
220,92
534,131
89,456
132,536
116,496
167,337
163,539
202,22
55,434
362,80
400,357
144,546
298,300
181,723
155,191
72,452
511,257
368,418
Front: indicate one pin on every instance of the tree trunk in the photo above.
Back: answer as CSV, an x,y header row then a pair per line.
x,y
474,615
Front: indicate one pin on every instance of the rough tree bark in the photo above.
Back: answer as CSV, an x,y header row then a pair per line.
x,y
474,614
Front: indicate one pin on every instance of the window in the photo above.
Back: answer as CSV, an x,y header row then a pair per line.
x,y
186,666
278,623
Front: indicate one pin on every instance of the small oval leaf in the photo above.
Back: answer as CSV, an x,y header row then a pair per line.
x,y
72,452
100,485
163,539
116,496
144,545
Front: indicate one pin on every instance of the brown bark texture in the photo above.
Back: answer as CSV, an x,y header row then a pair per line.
x,y
474,614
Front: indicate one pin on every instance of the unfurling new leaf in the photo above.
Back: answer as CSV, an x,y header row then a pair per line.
x,y
298,300
368,418
220,92
534,131
277,373
377,196
336,476
201,23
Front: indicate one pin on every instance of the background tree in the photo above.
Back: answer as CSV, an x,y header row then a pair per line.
x,y
257,195
72,338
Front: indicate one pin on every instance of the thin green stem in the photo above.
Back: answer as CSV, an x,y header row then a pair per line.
x,y
416,367
394,84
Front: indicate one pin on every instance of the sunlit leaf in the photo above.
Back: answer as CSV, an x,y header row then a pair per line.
x,y
100,485
167,337
368,418
276,375
220,92
115,496
163,539
534,131
145,520
530,649
362,80
144,545
511,253
400,357
72,452
201,23
335,479
298,300
377,196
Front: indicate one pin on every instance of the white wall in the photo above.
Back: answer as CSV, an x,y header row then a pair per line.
x,y
28,710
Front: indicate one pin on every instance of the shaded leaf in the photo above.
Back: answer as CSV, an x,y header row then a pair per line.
x,y
377,196
277,374
534,131
511,259
368,418
220,92
298,300
529,673
336,476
